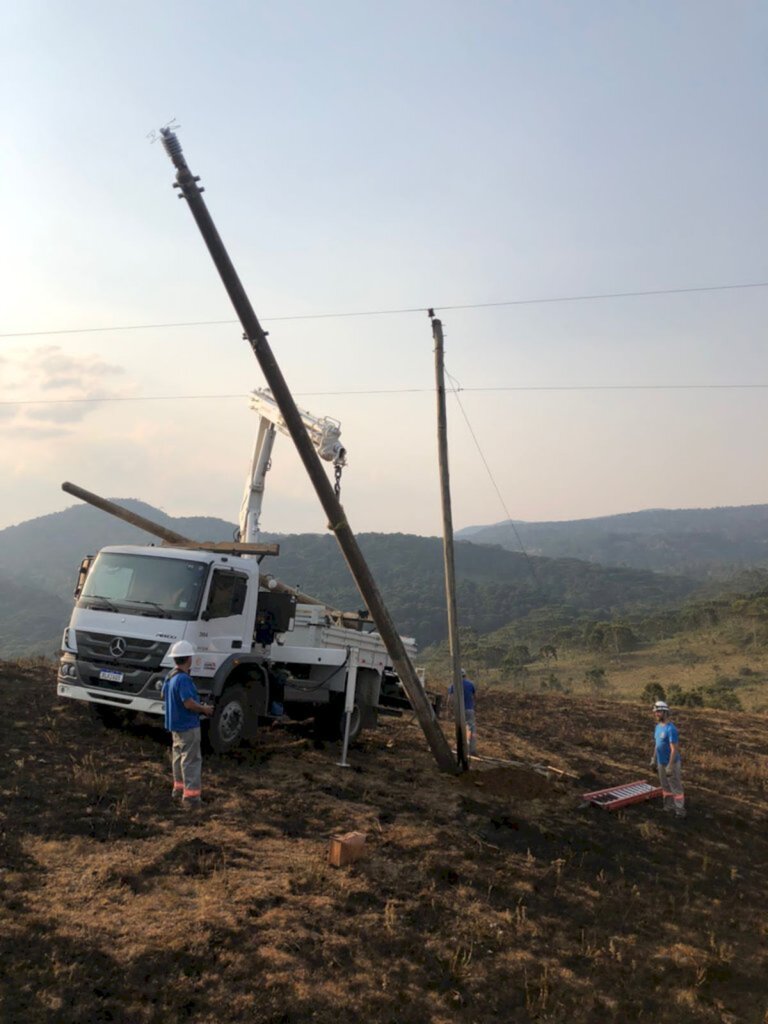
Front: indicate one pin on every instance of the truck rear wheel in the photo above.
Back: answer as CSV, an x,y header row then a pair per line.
x,y
231,720
331,721
355,724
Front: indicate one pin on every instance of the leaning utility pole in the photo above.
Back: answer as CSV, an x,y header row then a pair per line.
x,y
450,567
187,183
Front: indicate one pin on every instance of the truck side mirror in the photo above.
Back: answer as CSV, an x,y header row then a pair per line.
x,y
82,574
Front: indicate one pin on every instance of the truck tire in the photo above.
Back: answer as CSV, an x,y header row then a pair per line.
x,y
355,725
107,716
331,720
231,720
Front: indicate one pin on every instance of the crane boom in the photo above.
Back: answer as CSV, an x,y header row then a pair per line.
x,y
323,432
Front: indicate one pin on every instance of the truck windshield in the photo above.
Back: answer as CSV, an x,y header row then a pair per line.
x,y
167,588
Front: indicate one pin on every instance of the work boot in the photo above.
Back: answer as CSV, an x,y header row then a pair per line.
x,y
191,803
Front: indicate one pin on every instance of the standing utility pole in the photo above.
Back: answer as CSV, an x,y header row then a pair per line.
x,y
450,568
187,183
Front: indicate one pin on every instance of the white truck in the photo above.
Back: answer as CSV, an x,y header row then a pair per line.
x,y
262,650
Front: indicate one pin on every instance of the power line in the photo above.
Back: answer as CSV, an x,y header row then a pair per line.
x,y
392,391
390,312
456,388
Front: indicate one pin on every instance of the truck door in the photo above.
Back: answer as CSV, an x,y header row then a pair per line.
x,y
222,629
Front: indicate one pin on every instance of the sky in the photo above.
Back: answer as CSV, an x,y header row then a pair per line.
x,y
367,156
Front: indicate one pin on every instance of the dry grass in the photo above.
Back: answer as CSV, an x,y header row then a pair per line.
x,y
492,897
691,661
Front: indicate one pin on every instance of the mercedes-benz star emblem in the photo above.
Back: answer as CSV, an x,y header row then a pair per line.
x,y
117,647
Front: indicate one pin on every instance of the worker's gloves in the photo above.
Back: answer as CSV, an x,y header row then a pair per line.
x,y
652,763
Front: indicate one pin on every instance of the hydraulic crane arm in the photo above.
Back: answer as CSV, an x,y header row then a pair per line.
x,y
324,433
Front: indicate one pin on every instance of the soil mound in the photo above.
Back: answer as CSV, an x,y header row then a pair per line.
x,y
518,783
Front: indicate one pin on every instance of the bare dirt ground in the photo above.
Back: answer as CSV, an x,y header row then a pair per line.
x,y
490,897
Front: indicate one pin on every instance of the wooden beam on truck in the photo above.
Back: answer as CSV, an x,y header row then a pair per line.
x,y
227,547
171,538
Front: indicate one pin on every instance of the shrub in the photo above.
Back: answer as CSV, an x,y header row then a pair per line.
x,y
692,698
653,691
725,700
680,698
674,694
596,679
552,683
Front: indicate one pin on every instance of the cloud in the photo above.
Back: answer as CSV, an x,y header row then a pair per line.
x,y
32,432
54,369
79,381
61,381
73,413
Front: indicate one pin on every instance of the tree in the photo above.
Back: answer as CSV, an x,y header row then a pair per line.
x,y
596,679
517,657
652,692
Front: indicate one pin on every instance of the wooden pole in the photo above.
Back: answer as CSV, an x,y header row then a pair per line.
x,y
448,554
188,186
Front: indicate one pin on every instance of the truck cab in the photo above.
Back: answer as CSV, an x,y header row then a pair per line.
x,y
135,602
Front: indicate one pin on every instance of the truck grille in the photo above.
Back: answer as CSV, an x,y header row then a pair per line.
x,y
140,654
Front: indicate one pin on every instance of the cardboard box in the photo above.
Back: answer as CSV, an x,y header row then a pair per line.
x,y
346,849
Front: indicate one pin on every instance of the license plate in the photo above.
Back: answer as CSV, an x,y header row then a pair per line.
x,y
111,677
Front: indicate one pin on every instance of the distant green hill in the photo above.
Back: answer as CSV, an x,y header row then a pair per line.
x,y
696,542
494,586
31,620
48,550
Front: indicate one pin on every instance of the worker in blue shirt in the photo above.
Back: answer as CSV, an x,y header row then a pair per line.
x,y
666,757
182,719
469,710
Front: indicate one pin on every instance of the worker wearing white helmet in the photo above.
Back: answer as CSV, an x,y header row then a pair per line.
x,y
182,719
666,757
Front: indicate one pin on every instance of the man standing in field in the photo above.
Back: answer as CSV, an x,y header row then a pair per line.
x,y
469,710
666,757
182,720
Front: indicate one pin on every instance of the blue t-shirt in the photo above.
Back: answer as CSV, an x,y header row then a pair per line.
x,y
177,688
664,734
469,694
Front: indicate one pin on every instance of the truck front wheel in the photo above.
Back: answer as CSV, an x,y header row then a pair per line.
x,y
107,716
231,720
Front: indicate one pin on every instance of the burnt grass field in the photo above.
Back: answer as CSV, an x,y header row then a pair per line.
x,y
489,897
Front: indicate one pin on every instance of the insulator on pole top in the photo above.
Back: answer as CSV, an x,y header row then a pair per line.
x,y
171,145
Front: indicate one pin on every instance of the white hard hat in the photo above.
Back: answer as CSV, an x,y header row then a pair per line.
x,y
661,705
181,649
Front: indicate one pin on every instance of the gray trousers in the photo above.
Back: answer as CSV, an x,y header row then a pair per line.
x,y
469,718
187,764
671,782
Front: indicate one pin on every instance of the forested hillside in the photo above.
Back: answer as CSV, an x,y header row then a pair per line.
x,y
31,619
494,586
694,542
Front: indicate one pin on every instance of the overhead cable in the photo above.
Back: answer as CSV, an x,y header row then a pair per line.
x,y
389,312
455,389
391,391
